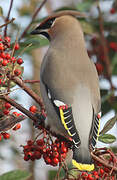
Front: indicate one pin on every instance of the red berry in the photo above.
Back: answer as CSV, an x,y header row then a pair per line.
x,y
40,142
8,56
99,68
113,45
47,160
55,148
95,173
37,155
96,177
8,39
64,149
16,114
90,177
6,135
17,46
17,72
20,61
7,105
2,54
18,126
26,158
84,174
13,59
29,154
101,171
5,62
30,142
113,10
0,38
6,111
1,47
63,156
33,109
0,137
55,160
55,154
106,170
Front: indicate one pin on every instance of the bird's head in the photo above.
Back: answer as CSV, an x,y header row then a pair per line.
x,y
53,24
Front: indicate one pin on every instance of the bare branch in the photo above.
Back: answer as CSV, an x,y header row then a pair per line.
x,y
7,18
33,17
20,83
104,45
9,121
19,107
8,22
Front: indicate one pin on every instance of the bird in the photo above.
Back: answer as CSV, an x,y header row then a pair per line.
x,y
69,85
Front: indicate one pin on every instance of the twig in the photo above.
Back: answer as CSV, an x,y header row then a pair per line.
x,y
104,163
7,18
8,22
104,45
31,81
10,121
33,17
19,107
28,90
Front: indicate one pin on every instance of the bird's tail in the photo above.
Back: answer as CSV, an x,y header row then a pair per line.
x,y
82,159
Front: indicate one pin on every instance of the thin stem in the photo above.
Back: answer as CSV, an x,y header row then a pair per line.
x,y
7,18
19,107
33,17
104,45
8,22
28,90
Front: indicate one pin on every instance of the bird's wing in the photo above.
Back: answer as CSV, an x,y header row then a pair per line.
x,y
67,119
94,134
64,113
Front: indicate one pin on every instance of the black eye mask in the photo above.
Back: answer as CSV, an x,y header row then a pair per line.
x,y
46,25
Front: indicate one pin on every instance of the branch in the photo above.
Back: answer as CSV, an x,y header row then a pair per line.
x,y
18,106
104,45
20,83
31,81
9,121
8,22
33,17
96,155
7,18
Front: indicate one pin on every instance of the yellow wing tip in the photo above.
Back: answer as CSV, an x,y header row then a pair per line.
x,y
83,167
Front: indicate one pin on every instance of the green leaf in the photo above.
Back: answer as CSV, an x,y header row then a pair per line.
x,y
114,64
35,42
84,6
87,27
15,175
107,138
109,124
1,11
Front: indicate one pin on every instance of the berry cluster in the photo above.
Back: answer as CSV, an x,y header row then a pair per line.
x,y
96,175
97,51
9,64
51,151
6,135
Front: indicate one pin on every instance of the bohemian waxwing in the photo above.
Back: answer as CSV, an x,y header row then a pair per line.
x,y
69,77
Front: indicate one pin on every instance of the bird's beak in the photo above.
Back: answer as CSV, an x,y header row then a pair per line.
x,y
35,31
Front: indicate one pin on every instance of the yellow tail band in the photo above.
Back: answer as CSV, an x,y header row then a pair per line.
x,y
83,167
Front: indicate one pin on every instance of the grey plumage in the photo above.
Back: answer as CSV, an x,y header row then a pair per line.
x,y
71,77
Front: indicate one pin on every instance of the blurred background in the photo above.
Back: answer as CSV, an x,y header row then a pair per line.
x,y
11,155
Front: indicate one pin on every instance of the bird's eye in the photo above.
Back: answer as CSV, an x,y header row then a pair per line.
x,y
50,22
